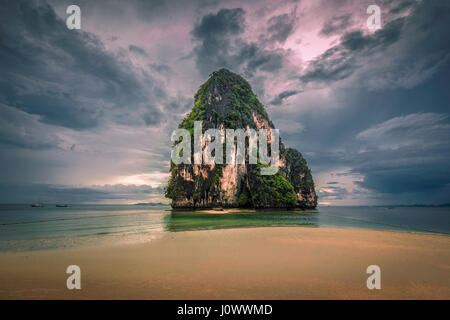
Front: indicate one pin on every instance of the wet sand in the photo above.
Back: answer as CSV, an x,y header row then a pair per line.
x,y
255,263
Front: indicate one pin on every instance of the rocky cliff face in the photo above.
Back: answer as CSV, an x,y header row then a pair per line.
x,y
226,101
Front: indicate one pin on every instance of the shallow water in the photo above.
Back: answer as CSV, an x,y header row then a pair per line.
x,y
25,228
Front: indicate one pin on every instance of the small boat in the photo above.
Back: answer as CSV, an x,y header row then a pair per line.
x,y
61,205
37,205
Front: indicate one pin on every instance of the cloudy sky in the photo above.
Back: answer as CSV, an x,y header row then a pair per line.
x,y
86,115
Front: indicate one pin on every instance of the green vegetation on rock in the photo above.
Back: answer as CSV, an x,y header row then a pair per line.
x,y
227,101
271,191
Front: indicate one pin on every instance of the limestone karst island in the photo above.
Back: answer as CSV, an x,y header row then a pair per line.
x,y
226,101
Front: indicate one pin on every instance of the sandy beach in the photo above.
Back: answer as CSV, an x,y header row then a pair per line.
x,y
254,263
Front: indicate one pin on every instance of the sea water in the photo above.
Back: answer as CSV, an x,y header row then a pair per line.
x,y
25,228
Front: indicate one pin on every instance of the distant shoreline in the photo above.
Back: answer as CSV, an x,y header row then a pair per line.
x,y
445,205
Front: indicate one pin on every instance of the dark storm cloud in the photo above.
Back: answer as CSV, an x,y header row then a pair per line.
x,y
329,70
181,105
406,154
340,62
64,76
137,50
336,25
153,118
356,41
216,27
411,179
419,173
278,100
219,45
20,129
48,193
281,26
402,6
161,68
254,58
213,32
389,140
421,42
